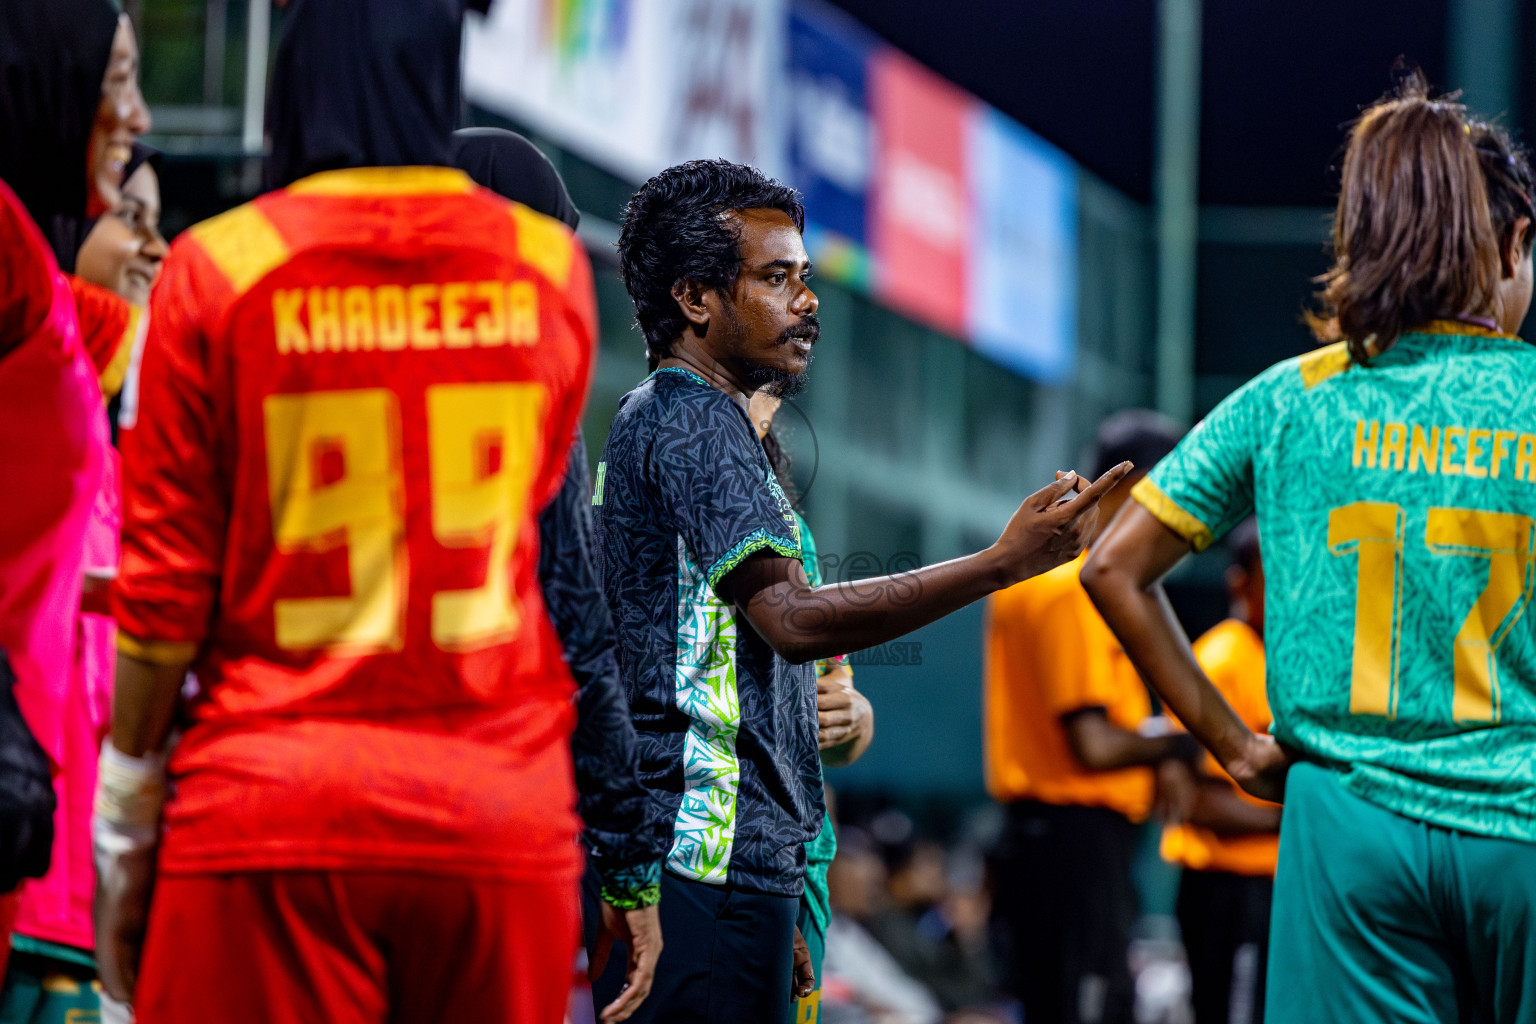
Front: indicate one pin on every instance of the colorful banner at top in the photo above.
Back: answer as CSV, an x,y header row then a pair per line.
x,y
920,206
831,140
915,191
1021,306
603,77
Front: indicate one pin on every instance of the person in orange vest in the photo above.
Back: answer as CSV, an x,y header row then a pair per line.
x,y
1071,744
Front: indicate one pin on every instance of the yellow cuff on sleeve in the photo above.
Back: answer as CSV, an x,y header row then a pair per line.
x,y
1171,514
156,652
112,377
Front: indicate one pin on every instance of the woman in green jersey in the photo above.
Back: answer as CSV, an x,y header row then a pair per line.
x,y
845,729
1393,473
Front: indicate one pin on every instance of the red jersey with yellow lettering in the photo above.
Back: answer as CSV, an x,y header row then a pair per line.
x,y
356,395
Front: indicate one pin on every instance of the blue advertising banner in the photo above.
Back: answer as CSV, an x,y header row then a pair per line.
x,y
830,144
1022,307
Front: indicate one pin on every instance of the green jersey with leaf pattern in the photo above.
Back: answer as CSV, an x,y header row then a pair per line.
x,y
821,851
1396,505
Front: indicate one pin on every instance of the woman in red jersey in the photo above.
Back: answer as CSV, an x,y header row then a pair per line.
x,y
373,815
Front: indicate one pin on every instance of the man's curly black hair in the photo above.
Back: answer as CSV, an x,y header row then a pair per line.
x,y
676,228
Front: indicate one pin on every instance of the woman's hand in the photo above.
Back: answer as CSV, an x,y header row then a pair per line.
x,y
845,723
1261,767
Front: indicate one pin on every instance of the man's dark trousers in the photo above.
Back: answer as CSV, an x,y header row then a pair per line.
x,y
727,955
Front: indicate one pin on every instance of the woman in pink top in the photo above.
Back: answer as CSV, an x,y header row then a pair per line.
x,y
118,264
69,111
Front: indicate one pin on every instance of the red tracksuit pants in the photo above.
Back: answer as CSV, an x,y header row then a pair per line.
x,y
357,947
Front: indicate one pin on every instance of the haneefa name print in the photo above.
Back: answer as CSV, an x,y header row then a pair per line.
x,y
393,317
1446,450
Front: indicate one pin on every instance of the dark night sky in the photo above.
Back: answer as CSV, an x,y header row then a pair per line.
x,y
1279,79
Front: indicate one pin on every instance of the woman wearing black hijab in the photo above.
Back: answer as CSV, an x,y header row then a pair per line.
x,y
610,799
363,85
399,805
514,168
69,108
123,249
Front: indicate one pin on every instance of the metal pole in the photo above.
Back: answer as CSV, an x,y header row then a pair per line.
x,y
215,22
257,39
1176,192
1482,50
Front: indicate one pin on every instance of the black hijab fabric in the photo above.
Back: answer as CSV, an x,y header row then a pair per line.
x,y
141,155
512,167
53,56
363,83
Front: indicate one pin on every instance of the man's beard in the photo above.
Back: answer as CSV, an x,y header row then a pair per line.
x,y
774,381
785,383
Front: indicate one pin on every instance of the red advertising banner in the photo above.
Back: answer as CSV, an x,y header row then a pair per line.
x,y
919,219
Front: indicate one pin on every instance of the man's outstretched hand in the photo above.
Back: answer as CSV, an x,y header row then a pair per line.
x,y
1054,524
640,931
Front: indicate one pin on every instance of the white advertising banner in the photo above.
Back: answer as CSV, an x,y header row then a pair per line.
x,y
636,85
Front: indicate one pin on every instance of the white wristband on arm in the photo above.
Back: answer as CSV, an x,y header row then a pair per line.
x,y
129,790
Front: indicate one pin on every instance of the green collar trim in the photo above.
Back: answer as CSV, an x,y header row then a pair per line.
x,y
752,543
678,369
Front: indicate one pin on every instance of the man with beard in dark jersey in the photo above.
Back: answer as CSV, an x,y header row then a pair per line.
x,y
699,553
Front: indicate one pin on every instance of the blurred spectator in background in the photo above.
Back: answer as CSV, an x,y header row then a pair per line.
x,y
1230,843
50,974
863,983
935,924
1071,744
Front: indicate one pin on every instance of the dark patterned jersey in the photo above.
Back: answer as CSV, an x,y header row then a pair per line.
x,y
727,728
609,797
